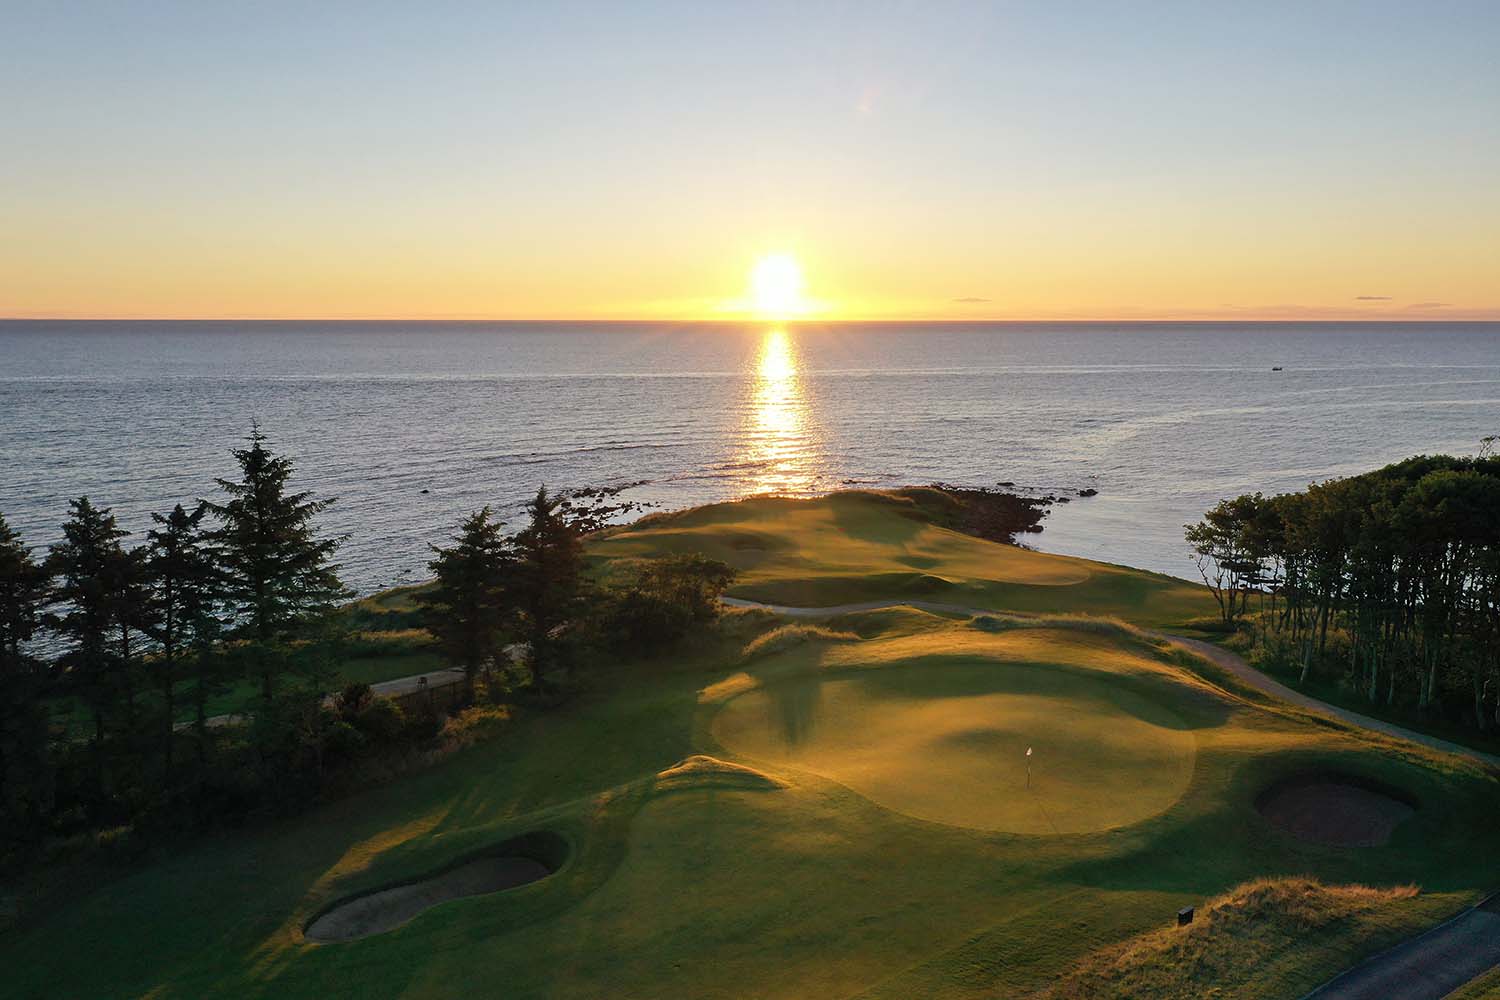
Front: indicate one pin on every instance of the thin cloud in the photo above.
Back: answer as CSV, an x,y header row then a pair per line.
x,y
1372,298
972,298
1429,305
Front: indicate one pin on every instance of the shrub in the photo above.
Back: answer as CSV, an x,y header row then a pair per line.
x,y
343,742
1276,654
422,727
474,725
667,597
382,721
352,700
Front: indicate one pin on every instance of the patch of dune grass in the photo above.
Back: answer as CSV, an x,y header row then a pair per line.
x,y
789,636
703,771
475,724
1094,624
1273,930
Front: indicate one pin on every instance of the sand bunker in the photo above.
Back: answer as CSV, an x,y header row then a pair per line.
x,y
515,863
948,743
1335,809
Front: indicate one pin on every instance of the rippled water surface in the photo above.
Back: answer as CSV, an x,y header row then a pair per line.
x,y
1162,419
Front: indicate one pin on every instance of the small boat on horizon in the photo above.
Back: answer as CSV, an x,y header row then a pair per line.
x,y
1276,368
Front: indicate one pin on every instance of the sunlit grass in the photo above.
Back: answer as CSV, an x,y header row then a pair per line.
x,y
862,546
810,874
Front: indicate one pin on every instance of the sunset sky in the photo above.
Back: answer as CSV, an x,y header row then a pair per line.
x,y
1043,160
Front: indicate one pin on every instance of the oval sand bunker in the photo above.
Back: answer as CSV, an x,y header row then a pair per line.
x,y
515,863
1338,810
948,744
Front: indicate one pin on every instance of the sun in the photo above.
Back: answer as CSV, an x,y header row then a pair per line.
x,y
776,285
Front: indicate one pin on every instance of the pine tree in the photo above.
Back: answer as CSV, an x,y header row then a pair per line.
x,y
130,611
184,592
277,573
23,593
547,579
466,606
87,564
25,774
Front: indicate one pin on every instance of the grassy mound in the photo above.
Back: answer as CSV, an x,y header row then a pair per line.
x,y
1253,935
860,546
703,771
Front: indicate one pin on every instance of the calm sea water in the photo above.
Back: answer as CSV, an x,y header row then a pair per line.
x,y
1161,419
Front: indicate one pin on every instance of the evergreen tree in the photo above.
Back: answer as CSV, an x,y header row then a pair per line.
x,y
547,580
87,565
1389,581
465,607
23,593
277,573
130,611
25,774
184,589
1223,546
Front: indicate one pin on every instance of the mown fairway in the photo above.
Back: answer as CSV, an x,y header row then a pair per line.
x,y
902,854
862,546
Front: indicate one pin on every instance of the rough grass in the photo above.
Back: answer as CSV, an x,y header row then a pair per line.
x,y
1093,624
474,724
367,658
1241,941
703,771
786,637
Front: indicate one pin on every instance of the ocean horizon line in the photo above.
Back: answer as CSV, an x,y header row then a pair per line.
x,y
760,323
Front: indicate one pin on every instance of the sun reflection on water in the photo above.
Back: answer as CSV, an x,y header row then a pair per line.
x,y
779,457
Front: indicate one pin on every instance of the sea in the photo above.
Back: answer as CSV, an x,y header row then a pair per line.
x,y
412,425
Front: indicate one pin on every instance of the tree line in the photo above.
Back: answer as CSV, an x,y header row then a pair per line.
x,y
1387,582
242,591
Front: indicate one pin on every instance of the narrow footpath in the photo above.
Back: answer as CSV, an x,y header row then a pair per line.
x,y
1236,665
1431,965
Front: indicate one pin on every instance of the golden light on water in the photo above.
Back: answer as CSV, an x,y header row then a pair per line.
x,y
778,432
776,365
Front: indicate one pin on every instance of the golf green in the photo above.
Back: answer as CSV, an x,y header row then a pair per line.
x,y
950,744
